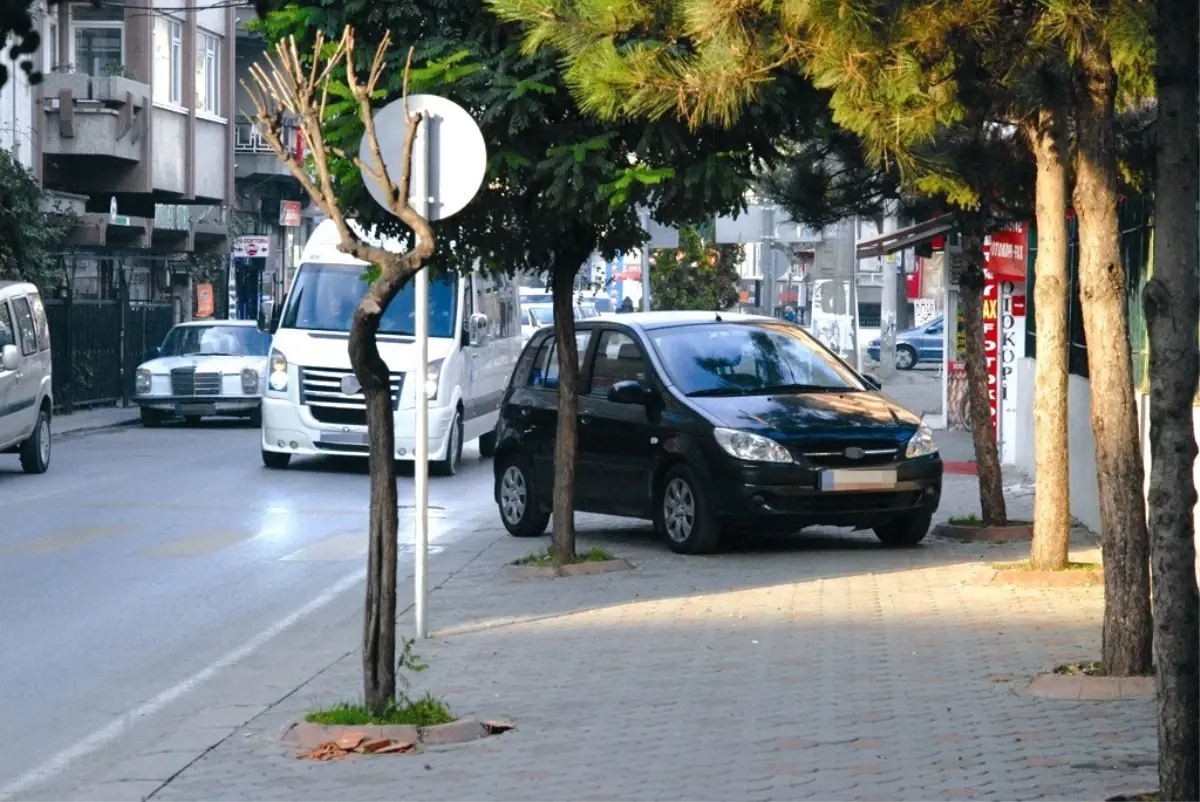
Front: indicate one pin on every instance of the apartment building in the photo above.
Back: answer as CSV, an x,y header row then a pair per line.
x,y
133,131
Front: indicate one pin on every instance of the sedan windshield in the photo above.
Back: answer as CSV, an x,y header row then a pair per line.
x,y
324,298
215,341
750,359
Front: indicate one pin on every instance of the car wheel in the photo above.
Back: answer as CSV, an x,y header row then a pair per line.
x,y
487,444
449,465
907,531
152,418
35,452
683,515
906,357
256,418
519,510
276,460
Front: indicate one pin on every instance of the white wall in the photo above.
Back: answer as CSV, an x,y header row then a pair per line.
x,y
16,111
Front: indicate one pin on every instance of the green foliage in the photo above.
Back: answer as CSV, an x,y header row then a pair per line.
x,y
426,711
28,235
696,275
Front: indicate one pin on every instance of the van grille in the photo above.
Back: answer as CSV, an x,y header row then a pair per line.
x,y
321,391
187,382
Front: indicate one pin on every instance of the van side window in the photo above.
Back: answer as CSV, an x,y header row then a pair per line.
x,y
26,328
7,335
39,319
545,364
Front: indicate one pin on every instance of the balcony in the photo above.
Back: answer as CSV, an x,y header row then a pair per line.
x,y
183,228
94,116
253,156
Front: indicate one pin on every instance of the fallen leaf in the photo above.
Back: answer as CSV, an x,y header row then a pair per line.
x,y
397,748
326,751
351,740
497,727
370,747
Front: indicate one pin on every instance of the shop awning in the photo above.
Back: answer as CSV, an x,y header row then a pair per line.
x,y
905,237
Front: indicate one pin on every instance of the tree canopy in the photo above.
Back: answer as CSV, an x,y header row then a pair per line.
x,y
699,274
28,232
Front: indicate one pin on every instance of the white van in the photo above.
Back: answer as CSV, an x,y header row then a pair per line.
x,y
26,388
313,404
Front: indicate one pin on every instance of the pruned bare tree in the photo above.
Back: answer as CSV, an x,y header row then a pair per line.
x,y
298,86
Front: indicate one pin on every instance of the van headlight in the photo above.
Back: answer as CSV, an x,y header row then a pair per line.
x,y
142,381
250,381
433,372
922,443
750,447
278,371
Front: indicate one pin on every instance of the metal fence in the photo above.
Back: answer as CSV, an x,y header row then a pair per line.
x,y
96,347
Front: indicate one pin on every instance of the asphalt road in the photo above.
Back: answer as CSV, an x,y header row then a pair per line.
x,y
145,555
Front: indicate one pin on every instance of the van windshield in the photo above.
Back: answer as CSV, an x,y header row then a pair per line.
x,y
324,298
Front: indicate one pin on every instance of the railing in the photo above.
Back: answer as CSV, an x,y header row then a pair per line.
x,y
248,139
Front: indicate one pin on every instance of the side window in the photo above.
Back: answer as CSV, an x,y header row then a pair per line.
x,y
618,358
26,329
934,329
7,334
39,318
545,364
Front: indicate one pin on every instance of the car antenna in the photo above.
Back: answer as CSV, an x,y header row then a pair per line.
x,y
719,318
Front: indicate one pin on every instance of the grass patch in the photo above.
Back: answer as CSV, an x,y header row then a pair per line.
x,y
975,520
1026,565
1089,668
426,711
544,559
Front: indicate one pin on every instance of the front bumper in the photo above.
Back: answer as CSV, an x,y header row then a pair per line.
x,y
200,405
791,494
288,428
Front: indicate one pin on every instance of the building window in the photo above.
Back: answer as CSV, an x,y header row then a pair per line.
x,y
99,48
51,48
208,73
168,61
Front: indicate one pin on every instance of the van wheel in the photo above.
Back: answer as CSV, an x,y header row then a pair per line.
x,y
276,460
35,452
517,498
151,418
487,444
449,465
682,514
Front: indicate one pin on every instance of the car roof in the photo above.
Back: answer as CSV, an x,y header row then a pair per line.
x,y
217,322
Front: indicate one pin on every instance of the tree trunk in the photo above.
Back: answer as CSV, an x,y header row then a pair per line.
x,y
983,431
1172,303
566,437
1051,445
1123,537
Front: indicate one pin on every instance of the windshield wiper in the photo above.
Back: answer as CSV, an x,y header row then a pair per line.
x,y
801,388
716,391
214,353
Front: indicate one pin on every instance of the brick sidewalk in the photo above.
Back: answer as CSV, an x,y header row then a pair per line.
x,y
823,667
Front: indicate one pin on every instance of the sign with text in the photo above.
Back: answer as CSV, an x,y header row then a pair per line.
x,y
1008,252
254,246
289,213
205,306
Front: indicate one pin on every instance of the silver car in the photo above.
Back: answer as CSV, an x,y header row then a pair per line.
x,y
205,368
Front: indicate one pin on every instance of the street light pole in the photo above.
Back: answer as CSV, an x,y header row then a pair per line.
x,y
421,429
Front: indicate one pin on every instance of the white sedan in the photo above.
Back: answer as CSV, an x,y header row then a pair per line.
x,y
205,368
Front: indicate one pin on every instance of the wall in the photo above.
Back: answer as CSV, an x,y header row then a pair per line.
x,y
212,159
170,130
16,112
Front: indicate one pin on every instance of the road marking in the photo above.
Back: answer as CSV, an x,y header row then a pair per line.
x,y
200,544
114,729
65,539
338,548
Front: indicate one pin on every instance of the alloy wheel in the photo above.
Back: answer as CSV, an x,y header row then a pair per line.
x,y
44,440
679,510
513,495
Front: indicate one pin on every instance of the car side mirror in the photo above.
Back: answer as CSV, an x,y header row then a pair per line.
x,y
158,350
478,328
873,380
10,357
276,316
628,392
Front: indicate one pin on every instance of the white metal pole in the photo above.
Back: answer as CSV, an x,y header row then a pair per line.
x,y
645,250
421,429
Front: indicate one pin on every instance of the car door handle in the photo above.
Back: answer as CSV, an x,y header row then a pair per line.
x,y
585,419
523,412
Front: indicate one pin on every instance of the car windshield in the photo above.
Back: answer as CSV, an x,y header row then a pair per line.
x,y
215,340
536,298
541,315
749,359
602,304
585,311
325,296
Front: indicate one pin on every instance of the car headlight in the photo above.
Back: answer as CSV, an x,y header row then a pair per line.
x,y
142,380
750,447
922,443
250,381
433,372
278,371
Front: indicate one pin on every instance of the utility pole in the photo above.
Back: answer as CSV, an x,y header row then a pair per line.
x,y
769,277
887,310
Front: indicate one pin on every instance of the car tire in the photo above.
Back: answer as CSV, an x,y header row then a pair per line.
x,y
35,452
682,513
487,444
449,465
276,460
516,498
906,531
152,418
906,357
256,418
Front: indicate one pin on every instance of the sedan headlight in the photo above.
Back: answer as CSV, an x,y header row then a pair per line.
x,y
750,447
921,444
433,372
142,381
250,381
278,371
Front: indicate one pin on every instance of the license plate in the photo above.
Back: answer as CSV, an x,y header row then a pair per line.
x,y
344,438
858,479
195,409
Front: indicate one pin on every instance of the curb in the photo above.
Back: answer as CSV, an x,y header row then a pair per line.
x,y
573,569
122,424
977,533
402,738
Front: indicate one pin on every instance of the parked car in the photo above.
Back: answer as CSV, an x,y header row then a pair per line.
x,y
26,388
709,424
205,368
914,346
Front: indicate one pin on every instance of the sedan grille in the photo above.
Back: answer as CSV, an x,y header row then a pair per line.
x,y
189,382
321,391
857,454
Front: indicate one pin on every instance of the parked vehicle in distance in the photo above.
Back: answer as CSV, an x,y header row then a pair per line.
x,y
535,295
536,316
914,346
205,368
708,425
26,385
313,403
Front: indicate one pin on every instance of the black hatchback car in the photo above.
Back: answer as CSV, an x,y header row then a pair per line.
x,y
711,424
